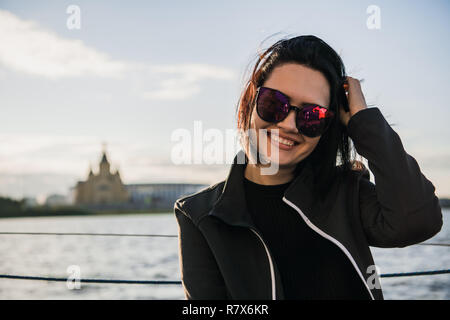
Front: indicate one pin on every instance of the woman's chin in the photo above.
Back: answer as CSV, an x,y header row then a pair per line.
x,y
282,160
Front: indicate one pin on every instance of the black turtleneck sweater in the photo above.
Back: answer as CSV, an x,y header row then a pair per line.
x,y
311,266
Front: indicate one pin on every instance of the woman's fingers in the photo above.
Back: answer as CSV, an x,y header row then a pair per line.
x,y
356,100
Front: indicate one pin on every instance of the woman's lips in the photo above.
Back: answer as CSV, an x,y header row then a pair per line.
x,y
277,141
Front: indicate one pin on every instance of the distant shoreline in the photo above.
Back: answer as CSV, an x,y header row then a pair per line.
x,y
15,209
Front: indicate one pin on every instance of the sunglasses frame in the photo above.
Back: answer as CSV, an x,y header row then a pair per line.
x,y
291,107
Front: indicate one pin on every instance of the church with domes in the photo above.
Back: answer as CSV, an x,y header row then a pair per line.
x,y
103,188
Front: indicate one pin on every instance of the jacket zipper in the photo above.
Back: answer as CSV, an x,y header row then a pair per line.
x,y
272,273
328,237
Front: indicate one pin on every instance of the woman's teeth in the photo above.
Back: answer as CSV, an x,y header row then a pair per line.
x,y
282,140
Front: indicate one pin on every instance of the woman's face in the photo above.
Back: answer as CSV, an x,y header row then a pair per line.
x,y
301,84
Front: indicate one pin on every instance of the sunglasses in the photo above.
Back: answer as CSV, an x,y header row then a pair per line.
x,y
274,106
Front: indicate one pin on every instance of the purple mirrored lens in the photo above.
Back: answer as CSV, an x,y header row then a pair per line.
x,y
272,105
313,120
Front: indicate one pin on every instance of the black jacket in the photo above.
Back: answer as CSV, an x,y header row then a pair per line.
x,y
223,256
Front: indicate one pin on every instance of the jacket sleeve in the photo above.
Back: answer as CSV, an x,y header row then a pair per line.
x,y
200,274
401,208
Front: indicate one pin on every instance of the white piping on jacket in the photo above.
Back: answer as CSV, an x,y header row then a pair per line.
x,y
272,273
326,236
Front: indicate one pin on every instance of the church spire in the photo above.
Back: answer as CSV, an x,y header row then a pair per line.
x,y
104,164
104,159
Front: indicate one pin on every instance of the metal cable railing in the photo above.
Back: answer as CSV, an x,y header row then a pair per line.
x,y
143,235
166,282
88,234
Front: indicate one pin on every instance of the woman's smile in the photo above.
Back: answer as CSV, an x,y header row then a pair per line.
x,y
281,142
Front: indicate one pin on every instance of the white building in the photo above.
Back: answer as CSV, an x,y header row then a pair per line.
x,y
160,195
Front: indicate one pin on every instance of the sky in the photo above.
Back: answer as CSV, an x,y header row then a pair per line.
x,y
136,71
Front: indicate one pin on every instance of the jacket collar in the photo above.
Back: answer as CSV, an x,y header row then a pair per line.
x,y
231,206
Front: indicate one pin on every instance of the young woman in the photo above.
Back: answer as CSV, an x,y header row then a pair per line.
x,y
304,231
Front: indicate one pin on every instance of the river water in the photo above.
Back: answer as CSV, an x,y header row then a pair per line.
x,y
145,258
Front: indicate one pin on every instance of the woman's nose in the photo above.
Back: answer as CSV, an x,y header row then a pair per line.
x,y
289,124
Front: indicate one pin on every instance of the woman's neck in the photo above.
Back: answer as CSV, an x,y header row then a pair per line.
x,y
253,173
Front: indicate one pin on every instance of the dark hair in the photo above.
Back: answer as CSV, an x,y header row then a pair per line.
x,y
334,144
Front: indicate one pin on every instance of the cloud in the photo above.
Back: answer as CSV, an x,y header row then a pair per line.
x,y
183,81
27,47
30,49
34,154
